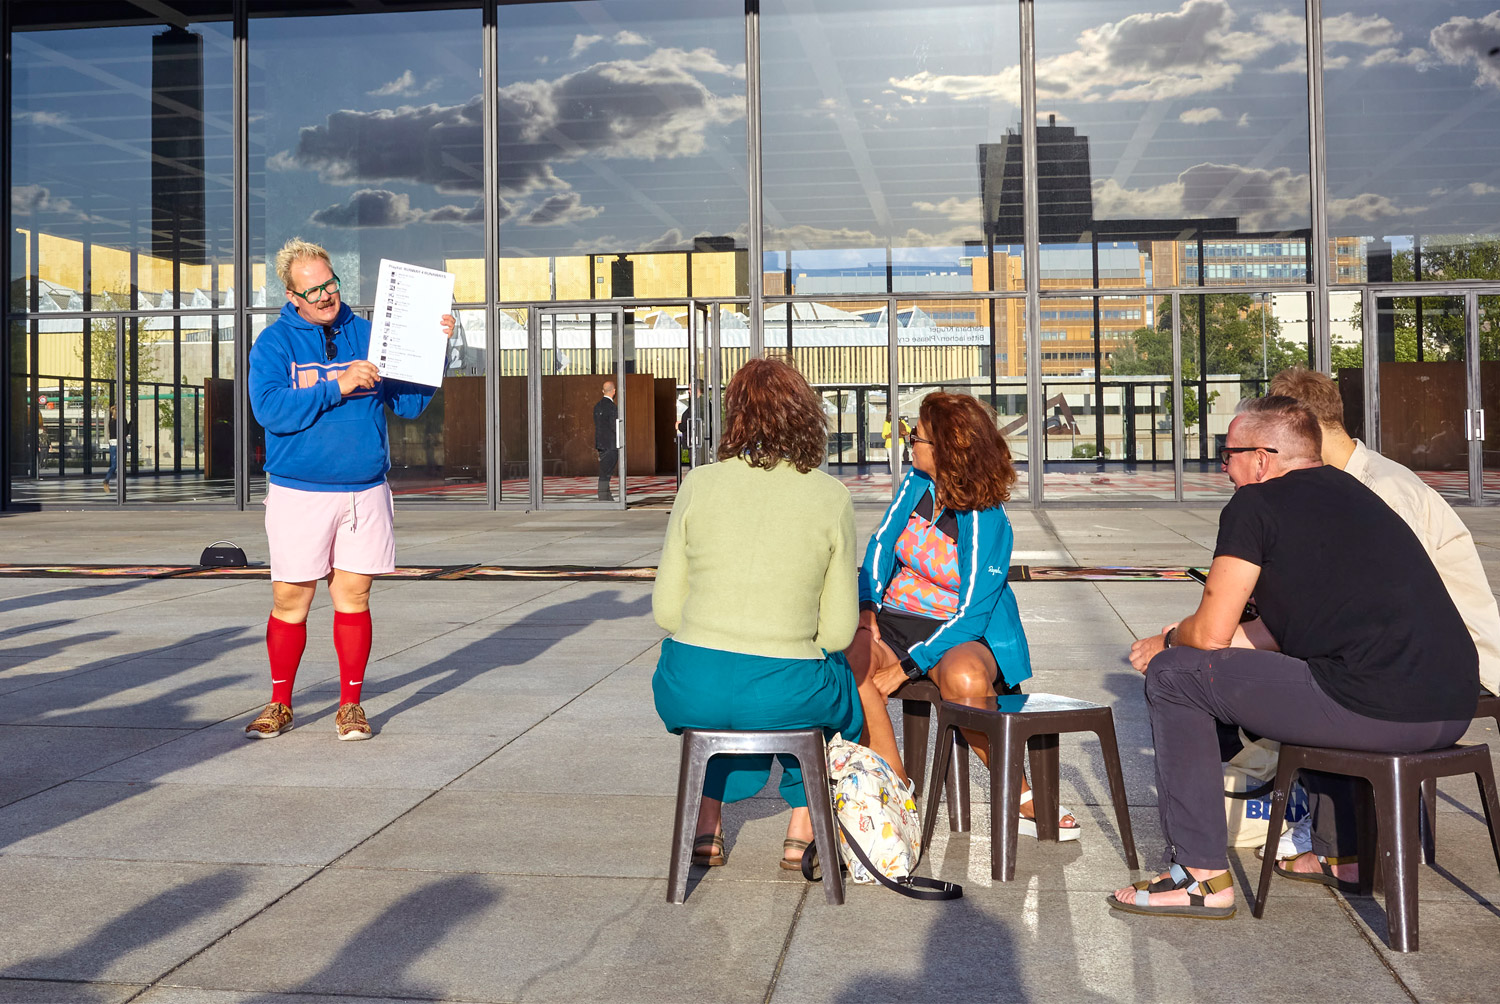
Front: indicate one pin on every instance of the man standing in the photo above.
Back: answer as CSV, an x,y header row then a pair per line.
x,y
328,507
605,413
1443,535
1358,646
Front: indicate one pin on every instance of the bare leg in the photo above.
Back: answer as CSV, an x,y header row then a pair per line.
x,y
290,601
349,591
871,659
965,675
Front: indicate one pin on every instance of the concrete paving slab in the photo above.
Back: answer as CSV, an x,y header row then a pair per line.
x,y
1096,954
186,705
563,759
463,710
621,836
123,921
309,755
194,995
1454,961
488,937
43,751
210,824
66,992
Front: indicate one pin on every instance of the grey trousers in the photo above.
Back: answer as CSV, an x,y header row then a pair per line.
x,y
1272,695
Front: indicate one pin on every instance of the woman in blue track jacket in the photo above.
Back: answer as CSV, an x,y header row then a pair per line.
x,y
934,594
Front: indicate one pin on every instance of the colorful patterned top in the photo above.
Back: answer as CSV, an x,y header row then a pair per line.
x,y
926,578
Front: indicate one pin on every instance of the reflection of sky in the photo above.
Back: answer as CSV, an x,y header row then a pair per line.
x,y
623,126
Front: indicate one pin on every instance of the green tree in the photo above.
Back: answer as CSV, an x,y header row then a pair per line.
x,y
1242,337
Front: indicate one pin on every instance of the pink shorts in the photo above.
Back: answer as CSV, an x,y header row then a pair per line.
x,y
312,533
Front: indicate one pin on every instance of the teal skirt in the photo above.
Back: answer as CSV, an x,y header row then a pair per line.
x,y
705,688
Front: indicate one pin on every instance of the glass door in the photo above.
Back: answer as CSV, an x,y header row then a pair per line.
x,y
699,418
580,435
1424,388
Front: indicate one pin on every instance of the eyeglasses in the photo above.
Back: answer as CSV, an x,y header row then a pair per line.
x,y
330,346
912,437
1225,452
316,294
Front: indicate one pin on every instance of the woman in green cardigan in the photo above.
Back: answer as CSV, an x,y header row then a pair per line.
x,y
757,587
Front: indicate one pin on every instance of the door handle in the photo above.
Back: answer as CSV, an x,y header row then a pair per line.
x,y
1479,432
619,433
1468,425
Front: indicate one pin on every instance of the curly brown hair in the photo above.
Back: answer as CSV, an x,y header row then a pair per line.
x,y
772,414
970,458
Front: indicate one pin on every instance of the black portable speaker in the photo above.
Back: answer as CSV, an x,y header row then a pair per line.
x,y
223,554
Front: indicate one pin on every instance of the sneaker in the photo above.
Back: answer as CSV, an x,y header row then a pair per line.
x,y
351,722
273,721
1296,840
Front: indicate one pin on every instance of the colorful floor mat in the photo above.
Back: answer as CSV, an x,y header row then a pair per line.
x,y
582,573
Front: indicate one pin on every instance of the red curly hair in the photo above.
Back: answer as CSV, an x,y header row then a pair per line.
x,y
772,414
971,460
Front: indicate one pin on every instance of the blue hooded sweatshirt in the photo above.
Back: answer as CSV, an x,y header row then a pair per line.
x,y
317,440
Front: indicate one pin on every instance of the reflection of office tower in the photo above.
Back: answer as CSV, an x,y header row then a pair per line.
x,y
727,245
622,286
177,180
1380,267
1064,186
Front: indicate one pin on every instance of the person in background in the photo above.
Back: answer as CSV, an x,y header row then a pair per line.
x,y
328,508
934,594
756,586
606,442
112,429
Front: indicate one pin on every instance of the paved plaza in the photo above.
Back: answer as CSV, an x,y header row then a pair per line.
x,y
504,836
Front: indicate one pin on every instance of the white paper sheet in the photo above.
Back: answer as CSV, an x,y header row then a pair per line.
x,y
407,343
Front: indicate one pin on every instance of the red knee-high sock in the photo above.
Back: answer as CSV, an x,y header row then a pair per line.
x,y
284,645
351,640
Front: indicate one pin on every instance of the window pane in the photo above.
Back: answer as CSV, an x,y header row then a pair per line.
x,y
366,137
889,138
1411,98
622,139
122,163
1167,125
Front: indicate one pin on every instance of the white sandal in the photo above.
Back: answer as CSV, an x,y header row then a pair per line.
x,y
1064,833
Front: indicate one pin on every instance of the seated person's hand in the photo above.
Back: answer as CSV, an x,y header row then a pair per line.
x,y
1146,649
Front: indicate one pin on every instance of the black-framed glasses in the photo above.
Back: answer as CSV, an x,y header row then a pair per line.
x,y
912,437
316,294
1225,452
330,346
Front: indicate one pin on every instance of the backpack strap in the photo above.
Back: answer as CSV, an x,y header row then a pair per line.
x,y
912,886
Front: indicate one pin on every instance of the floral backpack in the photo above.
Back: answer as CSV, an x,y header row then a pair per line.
x,y
880,836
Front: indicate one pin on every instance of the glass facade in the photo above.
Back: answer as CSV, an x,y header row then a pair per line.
x,y
1109,224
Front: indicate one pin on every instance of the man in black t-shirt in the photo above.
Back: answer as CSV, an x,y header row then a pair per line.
x,y
1358,646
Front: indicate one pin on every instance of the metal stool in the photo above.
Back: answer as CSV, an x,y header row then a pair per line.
x,y
1395,780
1488,706
1034,721
806,745
918,697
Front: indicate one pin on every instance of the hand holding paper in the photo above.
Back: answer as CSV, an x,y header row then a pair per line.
x,y
409,302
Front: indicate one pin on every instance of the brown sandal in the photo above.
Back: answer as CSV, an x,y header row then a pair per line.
x,y
793,844
708,850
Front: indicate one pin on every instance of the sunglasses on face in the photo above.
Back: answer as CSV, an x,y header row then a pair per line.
x,y
1225,452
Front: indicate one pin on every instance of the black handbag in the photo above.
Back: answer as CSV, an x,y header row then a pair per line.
x,y
222,554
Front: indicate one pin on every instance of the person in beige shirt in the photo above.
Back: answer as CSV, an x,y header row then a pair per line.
x,y
1443,535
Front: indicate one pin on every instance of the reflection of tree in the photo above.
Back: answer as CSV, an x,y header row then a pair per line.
x,y
1445,258
1242,337
101,358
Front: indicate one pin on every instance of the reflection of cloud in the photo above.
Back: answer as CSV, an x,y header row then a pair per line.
x,y
1288,28
1198,116
1142,57
41,118
1464,40
1260,199
582,42
404,85
26,200
631,38
648,108
377,207
960,210
1417,58
566,207
1480,188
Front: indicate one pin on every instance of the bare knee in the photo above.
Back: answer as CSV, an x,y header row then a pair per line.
x,y
961,675
349,591
290,601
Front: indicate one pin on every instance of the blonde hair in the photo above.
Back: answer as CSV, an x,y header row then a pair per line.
x,y
296,250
